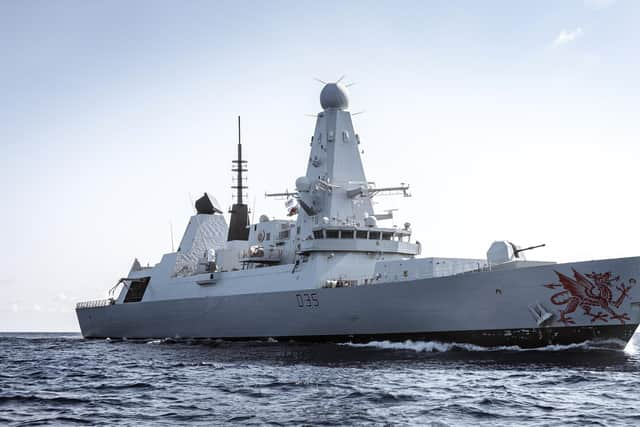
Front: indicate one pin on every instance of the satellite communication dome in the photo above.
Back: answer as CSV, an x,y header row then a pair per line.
x,y
303,184
334,96
370,221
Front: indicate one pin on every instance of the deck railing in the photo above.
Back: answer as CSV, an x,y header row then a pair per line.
x,y
95,303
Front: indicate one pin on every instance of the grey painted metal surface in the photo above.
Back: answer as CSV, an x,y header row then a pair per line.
x,y
467,302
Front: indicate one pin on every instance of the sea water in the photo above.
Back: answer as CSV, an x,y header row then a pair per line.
x,y
62,379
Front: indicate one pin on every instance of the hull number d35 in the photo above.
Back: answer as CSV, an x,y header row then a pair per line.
x,y
307,300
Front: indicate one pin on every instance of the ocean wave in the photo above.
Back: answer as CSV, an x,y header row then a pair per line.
x,y
62,419
23,399
260,383
440,347
380,397
123,386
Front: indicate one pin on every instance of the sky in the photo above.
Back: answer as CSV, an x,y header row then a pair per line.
x,y
509,120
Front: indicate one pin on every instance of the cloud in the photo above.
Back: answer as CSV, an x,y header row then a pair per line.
x,y
599,4
567,37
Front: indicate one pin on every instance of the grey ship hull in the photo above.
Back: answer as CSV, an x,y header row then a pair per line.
x,y
483,308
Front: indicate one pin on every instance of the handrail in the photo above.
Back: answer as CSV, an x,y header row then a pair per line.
x,y
95,303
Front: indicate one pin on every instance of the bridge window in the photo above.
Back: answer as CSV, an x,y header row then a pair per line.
x,y
374,235
361,234
347,234
283,235
386,236
317,234
332,234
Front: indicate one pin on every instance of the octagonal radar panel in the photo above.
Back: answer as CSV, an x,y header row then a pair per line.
x,y
208,204
334,96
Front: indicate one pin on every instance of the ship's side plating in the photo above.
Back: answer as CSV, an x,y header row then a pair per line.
x,y
486,308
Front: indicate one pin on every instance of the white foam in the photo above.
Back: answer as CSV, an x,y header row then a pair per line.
x,y
166,340
418,346
438,347
633,346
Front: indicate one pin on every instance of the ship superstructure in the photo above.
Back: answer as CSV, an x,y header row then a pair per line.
x,y
339,272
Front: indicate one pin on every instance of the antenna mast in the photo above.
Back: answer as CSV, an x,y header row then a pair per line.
x,y
239,168
239,221
171,231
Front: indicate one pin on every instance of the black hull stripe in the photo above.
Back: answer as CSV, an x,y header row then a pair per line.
x,y
524,338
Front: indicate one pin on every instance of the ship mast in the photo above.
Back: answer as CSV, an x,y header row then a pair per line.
x,y
239,168
239,221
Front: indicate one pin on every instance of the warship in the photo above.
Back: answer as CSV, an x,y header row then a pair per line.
x,y
335,270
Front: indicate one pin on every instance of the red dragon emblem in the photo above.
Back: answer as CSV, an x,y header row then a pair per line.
x,y
591,292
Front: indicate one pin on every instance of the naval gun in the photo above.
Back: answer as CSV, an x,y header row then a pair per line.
x,y
517,251
503,251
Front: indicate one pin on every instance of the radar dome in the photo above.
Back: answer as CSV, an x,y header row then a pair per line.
x,y
370,221
334,96
303,184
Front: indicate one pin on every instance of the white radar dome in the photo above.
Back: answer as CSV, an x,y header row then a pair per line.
x,y
334,96
303,184
370,221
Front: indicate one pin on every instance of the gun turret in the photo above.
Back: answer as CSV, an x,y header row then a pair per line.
x,y
516,252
